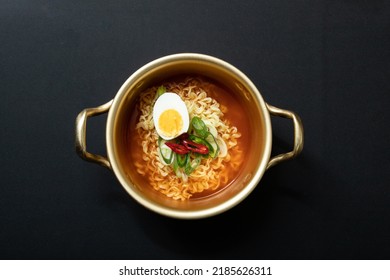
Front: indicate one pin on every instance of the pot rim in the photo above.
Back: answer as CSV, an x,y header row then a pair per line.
x,y
177,213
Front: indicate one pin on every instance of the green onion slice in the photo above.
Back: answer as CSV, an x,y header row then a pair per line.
x,y
176,167
211,140
192,165
212,130
182,159
222,147
165,152
160,91
199,126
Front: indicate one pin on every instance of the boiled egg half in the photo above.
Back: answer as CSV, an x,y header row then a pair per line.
x,y
170,116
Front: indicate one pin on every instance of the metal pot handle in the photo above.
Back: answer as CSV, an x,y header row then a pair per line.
x,y
81,129
298,135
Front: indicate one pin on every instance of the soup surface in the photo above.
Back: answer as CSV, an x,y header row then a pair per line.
x,y
224,117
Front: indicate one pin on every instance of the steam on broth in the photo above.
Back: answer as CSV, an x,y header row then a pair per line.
x,y
195,171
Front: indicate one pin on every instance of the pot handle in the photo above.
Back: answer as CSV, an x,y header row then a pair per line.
x,y
298,135
81,129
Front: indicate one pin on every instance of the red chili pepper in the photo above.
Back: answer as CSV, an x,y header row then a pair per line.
x,y
195,147
178,148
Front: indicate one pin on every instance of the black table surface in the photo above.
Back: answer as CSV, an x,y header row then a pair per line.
x,y
328,61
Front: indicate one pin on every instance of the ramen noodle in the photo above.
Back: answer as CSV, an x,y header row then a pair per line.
x,y
212,173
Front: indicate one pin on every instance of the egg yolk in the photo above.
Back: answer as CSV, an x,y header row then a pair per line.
x,y
170,123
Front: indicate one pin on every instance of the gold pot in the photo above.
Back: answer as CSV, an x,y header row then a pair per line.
x,y
255,164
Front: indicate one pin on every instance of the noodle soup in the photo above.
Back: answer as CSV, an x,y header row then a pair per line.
x,y
223,113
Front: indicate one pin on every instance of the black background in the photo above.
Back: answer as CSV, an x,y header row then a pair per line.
x,y
329,61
